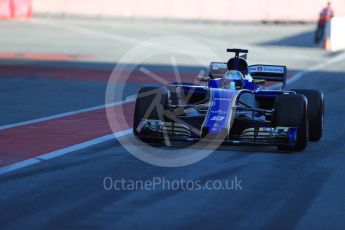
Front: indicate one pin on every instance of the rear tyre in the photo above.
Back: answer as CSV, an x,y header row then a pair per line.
x,y
155,99
315,112
291,111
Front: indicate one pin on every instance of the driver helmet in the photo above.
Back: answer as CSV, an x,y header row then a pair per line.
x,y
233,79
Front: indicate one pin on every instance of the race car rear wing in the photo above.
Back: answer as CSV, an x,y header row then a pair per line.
x,y
270,73
273,73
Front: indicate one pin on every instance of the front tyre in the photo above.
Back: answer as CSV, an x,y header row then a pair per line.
x,y
315,112
291,111
150,104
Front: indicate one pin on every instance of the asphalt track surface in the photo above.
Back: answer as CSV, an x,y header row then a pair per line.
x,y
303,190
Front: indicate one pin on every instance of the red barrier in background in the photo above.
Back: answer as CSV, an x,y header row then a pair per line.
x,y
11,9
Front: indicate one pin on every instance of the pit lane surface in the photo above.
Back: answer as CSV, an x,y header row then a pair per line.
x,y
279,190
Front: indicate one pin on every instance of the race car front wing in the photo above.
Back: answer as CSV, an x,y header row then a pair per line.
x,y
251,136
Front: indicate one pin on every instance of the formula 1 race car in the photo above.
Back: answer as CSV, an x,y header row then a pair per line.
x,y
233,105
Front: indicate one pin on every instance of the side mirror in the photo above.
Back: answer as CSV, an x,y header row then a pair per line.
x,y
203,78
259,81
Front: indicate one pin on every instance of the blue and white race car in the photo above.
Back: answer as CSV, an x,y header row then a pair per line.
x,y
231,105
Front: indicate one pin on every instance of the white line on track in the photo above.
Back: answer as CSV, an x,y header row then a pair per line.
x,y
322,65
111,35
88,31
63,151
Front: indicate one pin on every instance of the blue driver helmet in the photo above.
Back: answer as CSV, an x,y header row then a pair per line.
x,y
233,79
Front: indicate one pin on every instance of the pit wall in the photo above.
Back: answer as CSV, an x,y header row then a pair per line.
x,y
224,10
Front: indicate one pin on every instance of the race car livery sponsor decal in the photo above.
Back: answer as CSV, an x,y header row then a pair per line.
x,y
219,115
267,69
217,118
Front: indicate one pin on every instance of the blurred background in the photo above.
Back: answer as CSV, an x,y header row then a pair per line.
x,y
222,10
